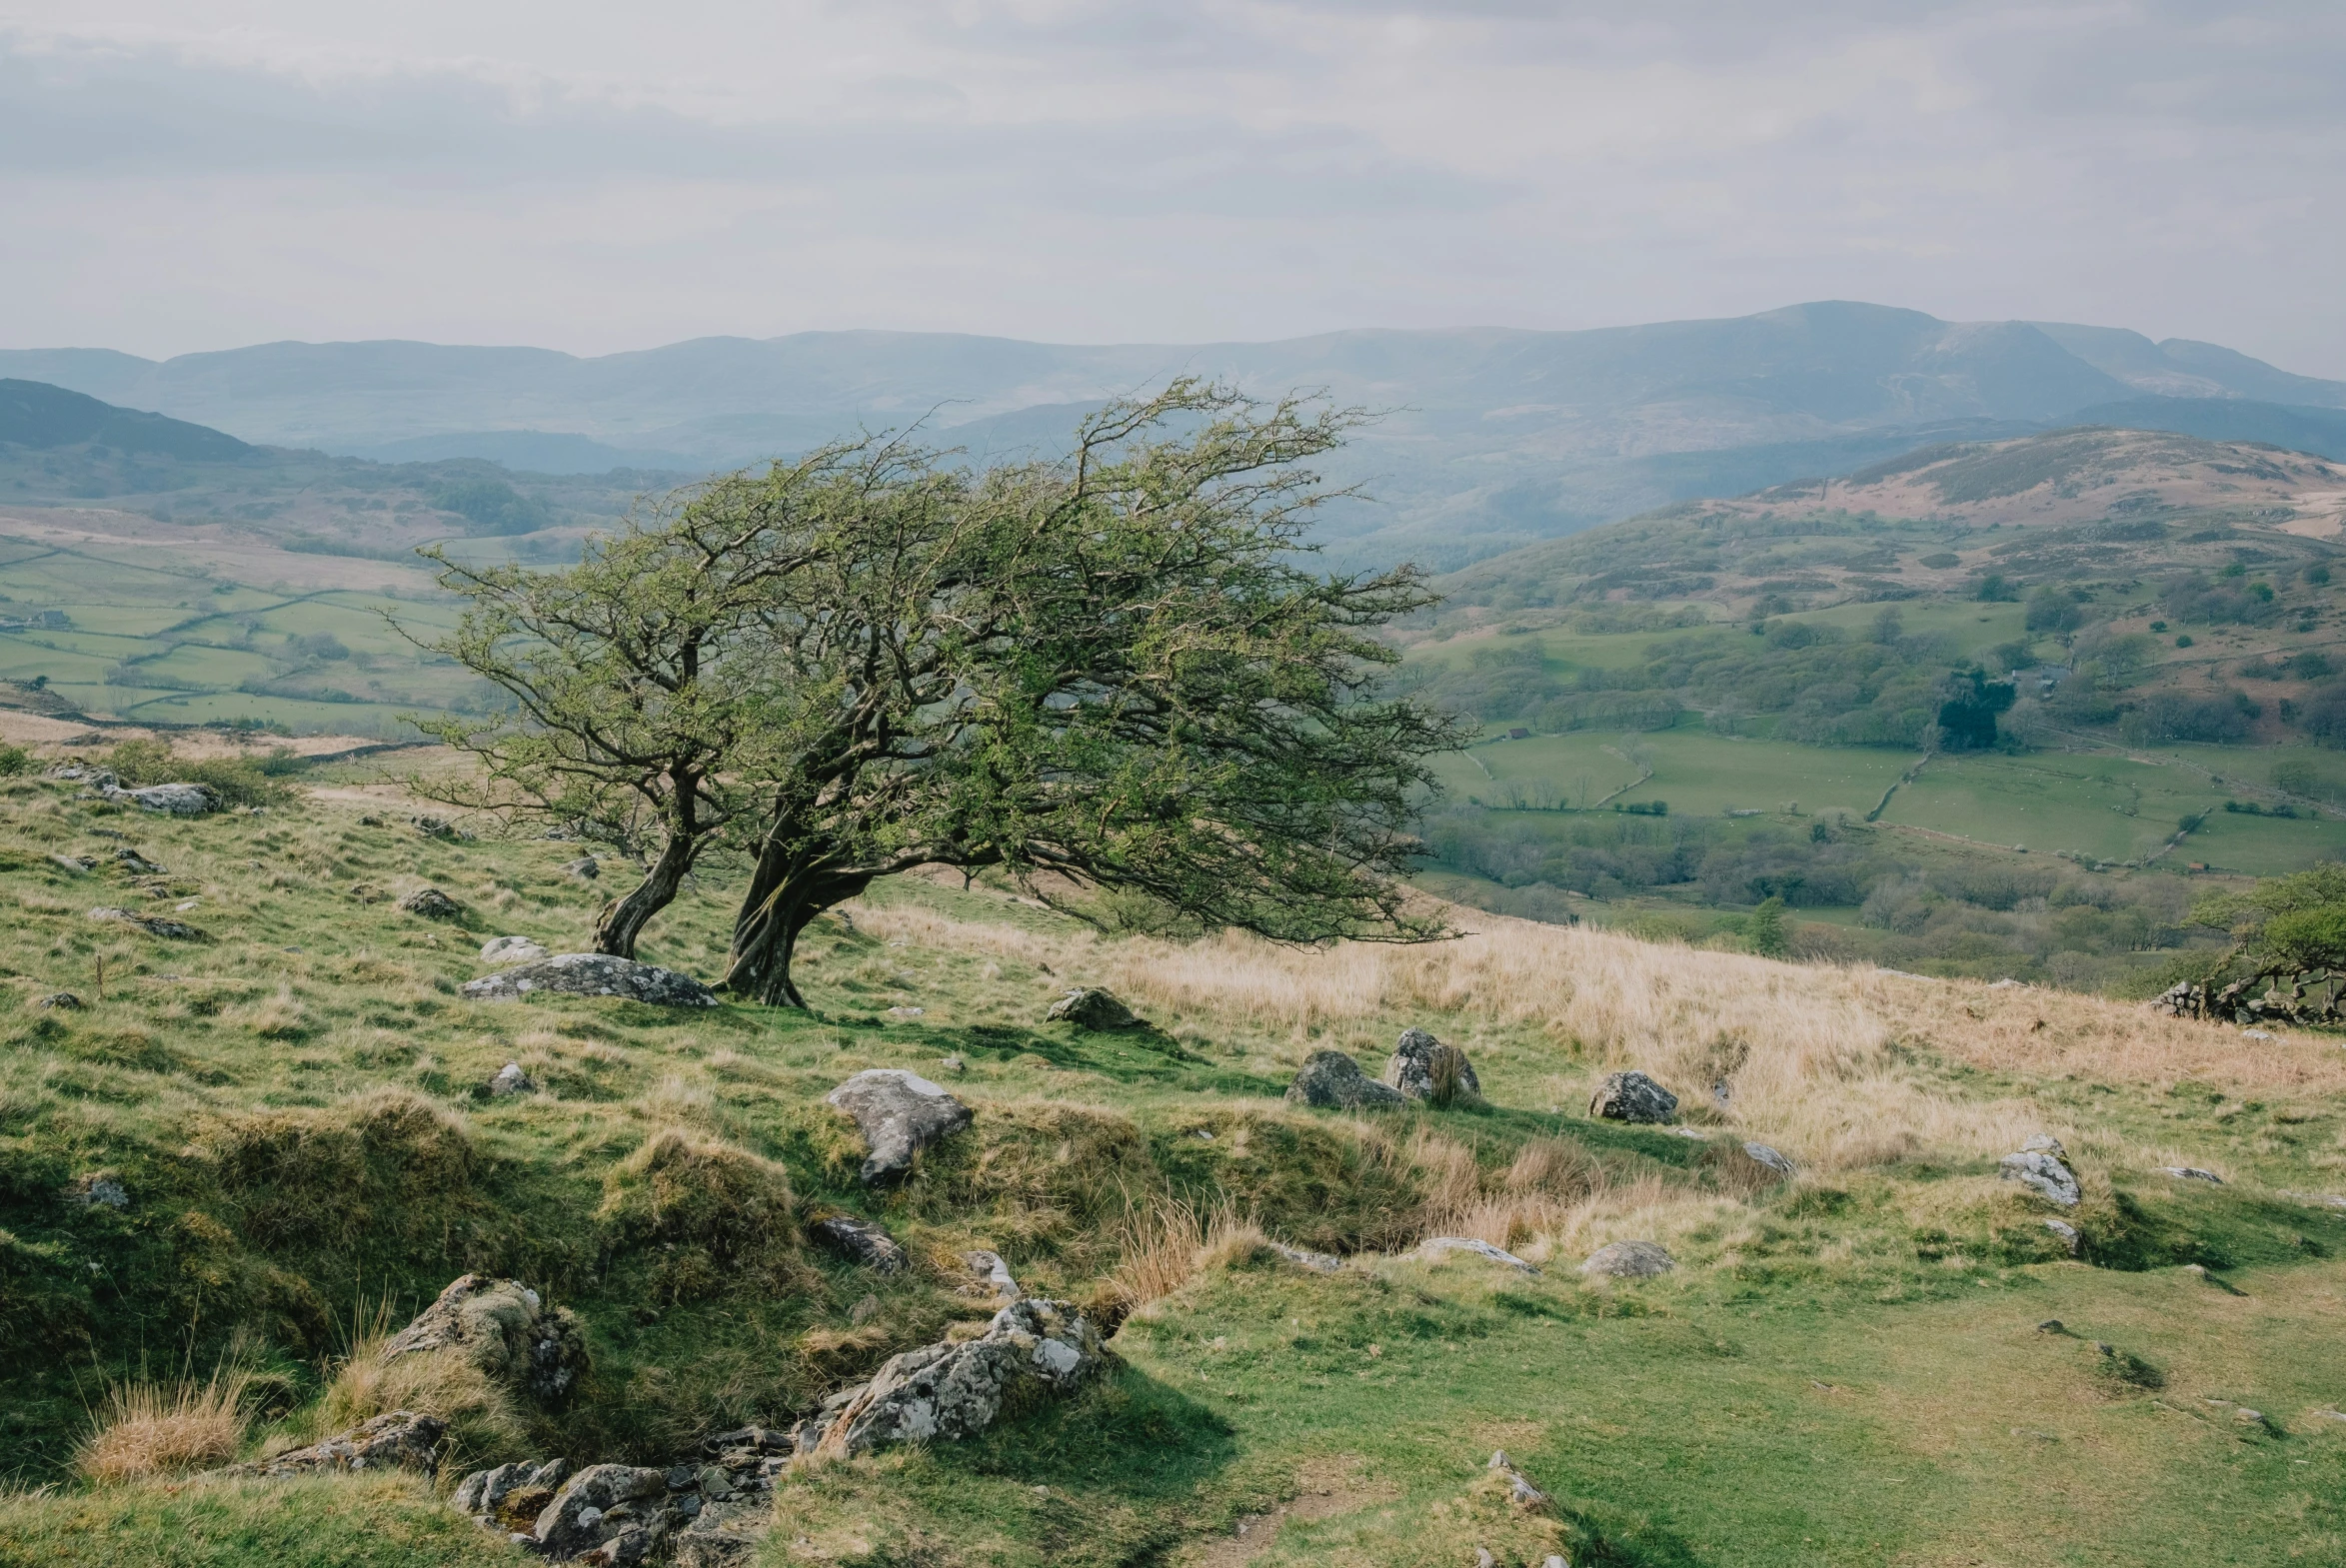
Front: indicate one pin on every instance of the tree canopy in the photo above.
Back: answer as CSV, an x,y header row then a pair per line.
x,y
1112,671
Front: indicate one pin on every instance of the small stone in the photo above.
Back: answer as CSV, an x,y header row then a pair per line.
x,y
1423,1068
1089,1008
152,925
2041,1173
1440,1246
864,1310
901,1014
2053,1325
860,1240
1773,1159
2066,1234
510,1079
954,1064
2257,1034
1632,1097
432,904
899,1113
2192,1173
2247,1417
103,1193
993,1272
63,1001
586,868
1629,1260
1334,1080
173,800
512,949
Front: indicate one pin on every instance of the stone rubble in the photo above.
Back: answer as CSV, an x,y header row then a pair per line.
x,y
592,974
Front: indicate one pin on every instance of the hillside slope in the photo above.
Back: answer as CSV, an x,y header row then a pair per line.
x,y
297,1117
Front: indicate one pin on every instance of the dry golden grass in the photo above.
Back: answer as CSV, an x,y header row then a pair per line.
x,y
1817,1057
479,1412
145,1430
1170,1244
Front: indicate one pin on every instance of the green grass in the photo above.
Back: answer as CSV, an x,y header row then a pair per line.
x,y
1842,1371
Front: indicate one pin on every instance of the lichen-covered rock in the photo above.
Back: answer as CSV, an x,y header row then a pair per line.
x,y
594,974
1774,1159
2041,1172
899,1113
153,925
510,1079
1629,1260
512,949
993,1274
173,800
1443,1247
1521,1492
1332,1079
397,1440
586,867
1423,1068
432,904
502,1327
1633,1097
63,1001
511,1496
941,1392
1087,1009
860,1240
601,1504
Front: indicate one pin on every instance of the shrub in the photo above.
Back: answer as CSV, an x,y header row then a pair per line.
x,y
236,781
14,760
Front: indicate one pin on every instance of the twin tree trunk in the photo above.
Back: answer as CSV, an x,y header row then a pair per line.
x,y
787,891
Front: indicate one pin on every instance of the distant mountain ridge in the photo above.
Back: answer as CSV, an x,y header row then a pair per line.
x,y
1495,436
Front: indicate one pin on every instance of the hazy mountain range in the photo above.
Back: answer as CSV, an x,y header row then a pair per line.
x,y
1490,437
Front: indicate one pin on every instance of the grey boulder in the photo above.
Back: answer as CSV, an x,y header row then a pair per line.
x,y
2043,1173
1443,1247
1629,1260
152,925
594,974
1332,1081
1087,1009
1633,1097
599,1504
432,904
899,1113
862,1241
396,1440
503,1329
586,867
1033,1349
1423,1068
512,949
510,1079
1774,1159
173,800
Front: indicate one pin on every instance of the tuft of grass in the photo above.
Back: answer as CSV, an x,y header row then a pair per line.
x,y
705,1215
145,1430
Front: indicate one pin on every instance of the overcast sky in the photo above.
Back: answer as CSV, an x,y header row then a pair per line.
x,y
591,175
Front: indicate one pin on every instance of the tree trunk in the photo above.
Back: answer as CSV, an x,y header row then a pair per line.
x,y
787,891
623,919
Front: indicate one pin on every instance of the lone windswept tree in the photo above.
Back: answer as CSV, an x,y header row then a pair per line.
x,y
1111,671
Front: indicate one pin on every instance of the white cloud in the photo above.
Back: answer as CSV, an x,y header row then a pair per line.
x,y
593,176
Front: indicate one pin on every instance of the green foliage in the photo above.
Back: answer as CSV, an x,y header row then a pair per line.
x,y
237,780
492,507
1765,932
15,760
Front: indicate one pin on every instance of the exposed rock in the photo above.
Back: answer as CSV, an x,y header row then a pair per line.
x,y
2190,1173
74,864
398,1440
510,1079
1423,1068
1318,1262
511,1496
63,1001
175,800
586,867
137,864
1087,1009
1332,1079
994,1274
2043,1173
502,1327
1440,1246
594,974
1629,1260
2044,1144
2182,999
432,904
860,1240
1033,1348
512,949
153,925
101,1192
2066,1235
437,827
601,1504
899,1113
1526,1496
1774,1159
1633,1097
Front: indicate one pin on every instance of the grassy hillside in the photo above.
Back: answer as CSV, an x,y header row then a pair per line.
x,y
1847,1367
2141,630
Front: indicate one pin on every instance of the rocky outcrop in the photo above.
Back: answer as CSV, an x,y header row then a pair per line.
x,y
173,800
512,949
502,1327
62,1002
397,1440
1443,1247
1087,1009
1521,1492
153,925
862,1241
594,974
1033,1350
612,1513
1629,1260
1774,1159
1633,1097
1423,1068
993,1276
1333,1082
899,1113
2041,1171
700,1513
511,1496
432,904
